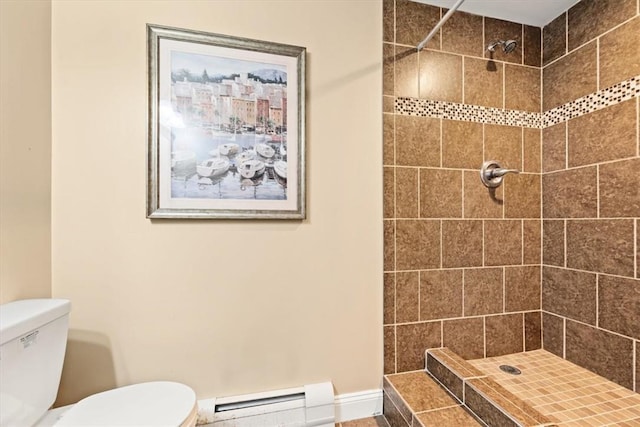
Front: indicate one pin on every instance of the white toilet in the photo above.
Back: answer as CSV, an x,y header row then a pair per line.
x,y
33,338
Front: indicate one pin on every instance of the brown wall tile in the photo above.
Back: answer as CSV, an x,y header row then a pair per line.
x,y
553,334
412,341
483,291
554,39
504,144
590,18
388,61
389,349
532,46
462,34
619,305
389,208
483,82
553,242
497,29
389,298
569,293
417,244
461,144
406,192
440,76
504,334
387,104
440,294
405,73
571,77
461,240
389,245
522,88
603,246
532,331
388,125
465,337
407,291
480,201
604,353
388,20
413,22
554,147
638,248
619,54
570,194
417,141
620,189
531,241
532,158
606,134
522,196
440,193
522,288
503,242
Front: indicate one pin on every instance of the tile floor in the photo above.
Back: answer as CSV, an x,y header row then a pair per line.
x,y
567,394
378,421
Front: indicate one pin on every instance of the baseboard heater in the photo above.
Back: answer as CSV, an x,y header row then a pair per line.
x,y
309,405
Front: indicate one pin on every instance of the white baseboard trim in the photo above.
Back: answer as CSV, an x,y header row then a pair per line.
x,y
361,404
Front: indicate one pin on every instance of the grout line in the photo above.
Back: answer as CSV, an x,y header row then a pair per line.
x,y
418,184
566,144
597,301
635,247
462,192
635,363
484,336
598,63
441,244
597,191
463,69
464,274
564,241
504,290
524,334
483,244
564,337
522,245
419,293
566,32
441,143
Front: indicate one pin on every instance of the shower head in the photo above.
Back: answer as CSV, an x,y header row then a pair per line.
x,y
508,46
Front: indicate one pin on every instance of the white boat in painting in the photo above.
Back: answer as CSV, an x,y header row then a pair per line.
x,y
228,149
265,150
280,168
213,167
251,169
246,155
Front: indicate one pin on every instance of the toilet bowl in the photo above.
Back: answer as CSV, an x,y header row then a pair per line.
x,y
149,404
33,337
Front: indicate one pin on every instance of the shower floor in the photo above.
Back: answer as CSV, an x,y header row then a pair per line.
x,y
567,394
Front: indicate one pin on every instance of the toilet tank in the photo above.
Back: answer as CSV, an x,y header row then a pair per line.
x,y
33,338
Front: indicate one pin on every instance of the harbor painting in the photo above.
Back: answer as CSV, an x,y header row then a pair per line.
x,y
226,137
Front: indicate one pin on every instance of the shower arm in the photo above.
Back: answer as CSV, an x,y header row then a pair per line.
x,y
439,24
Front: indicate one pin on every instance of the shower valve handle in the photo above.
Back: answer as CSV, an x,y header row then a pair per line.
x,y
492,174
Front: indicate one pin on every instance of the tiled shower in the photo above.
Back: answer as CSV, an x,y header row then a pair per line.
x,y
551,258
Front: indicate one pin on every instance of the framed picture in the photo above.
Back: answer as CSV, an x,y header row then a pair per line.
x,y
226,127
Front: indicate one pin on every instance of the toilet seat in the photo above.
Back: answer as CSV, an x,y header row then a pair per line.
x,y
149,404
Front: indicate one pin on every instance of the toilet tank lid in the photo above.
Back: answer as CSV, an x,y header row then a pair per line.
x,y
20,317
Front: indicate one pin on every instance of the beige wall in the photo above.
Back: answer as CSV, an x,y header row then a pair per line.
x,y
188,300
25,150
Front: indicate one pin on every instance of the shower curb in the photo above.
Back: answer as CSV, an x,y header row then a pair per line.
x,y
480,396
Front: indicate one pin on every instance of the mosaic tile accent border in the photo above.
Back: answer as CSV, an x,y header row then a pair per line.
x,y
613,95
